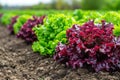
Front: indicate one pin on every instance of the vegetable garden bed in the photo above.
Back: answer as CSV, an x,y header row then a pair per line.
x,y
18,62
87,43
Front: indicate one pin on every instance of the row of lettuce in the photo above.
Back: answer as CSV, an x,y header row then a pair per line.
x,y
88,39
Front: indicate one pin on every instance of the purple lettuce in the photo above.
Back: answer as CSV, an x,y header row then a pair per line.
x,y
1,15
26,31
90,46
10,26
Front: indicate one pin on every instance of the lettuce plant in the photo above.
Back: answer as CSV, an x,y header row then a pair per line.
x,y
6,18
26,31
51,32
116,30
1,15
88,15
90,46
112,17
10,26
20,21
78,14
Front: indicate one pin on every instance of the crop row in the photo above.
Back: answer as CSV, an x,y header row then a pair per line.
x,y
77,38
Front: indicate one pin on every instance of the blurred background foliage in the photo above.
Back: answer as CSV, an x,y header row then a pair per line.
x,y
100,4
0,6
59,5
76,4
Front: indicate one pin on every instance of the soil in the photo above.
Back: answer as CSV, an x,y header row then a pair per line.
x,y
18,62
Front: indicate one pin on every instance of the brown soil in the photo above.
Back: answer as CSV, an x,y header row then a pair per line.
x,y
18,62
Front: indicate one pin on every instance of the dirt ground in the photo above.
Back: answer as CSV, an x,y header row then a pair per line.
x,y
18,62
